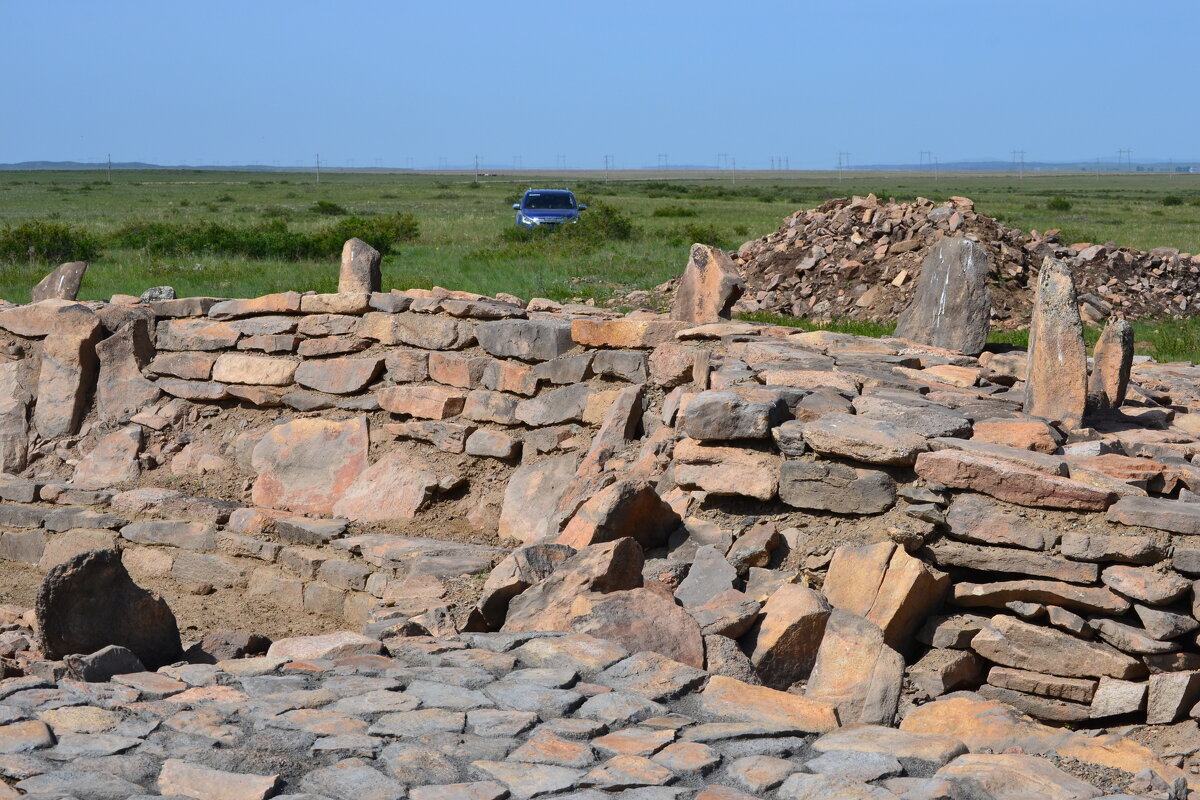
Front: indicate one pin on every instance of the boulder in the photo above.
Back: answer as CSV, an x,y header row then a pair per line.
x,y
1156,512
1111,362
1056,385
526,339
521,569
68,371
732,700
783,645
339,375
885,585
1013,643
529,512
60,284
721,415
1014,776
856,671
975,518
89,602
709,576
121,389
640,619
608,567
709,287
360,268
873,441
951,307
307,464
1007,480
826,486
726,470
112,462
990,726
626,508
392,489
102,665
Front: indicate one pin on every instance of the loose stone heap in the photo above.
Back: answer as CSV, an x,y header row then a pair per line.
x,y
826,529
861,258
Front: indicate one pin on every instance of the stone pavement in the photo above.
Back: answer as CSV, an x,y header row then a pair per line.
x,y
490,716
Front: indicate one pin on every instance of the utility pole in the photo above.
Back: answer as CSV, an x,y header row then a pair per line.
x,y
1021,172
318,168
477,169
733,171
843,162
606,160
110,167
935,166
926,157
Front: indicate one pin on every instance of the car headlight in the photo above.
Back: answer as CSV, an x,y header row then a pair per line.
x,y
529,220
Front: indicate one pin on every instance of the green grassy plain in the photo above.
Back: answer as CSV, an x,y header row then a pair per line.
x,y
462,221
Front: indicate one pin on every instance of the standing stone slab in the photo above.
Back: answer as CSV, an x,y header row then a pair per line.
x,y
67,374
857,671
121,389
61,284
1111,362
360,268
709,287
90,602
951,307
1056,385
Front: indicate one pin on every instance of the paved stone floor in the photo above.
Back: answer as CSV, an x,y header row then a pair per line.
x,y
476,717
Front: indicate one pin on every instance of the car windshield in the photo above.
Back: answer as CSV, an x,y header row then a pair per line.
x,y
557,201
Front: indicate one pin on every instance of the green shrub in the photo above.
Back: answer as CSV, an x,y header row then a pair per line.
x,y
1059,204
1172,200
693,233
49,242
329,209
269,239
674,211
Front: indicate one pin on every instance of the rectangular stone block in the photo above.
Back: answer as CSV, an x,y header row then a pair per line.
x,y
457,369
283,590
198,568
426,402
407,366
321,598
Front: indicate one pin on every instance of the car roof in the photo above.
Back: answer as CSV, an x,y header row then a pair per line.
x,y
548,191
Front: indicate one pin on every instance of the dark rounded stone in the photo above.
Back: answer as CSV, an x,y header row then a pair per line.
x,y
90,602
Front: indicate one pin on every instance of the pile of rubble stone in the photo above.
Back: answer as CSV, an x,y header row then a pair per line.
x,y
860,258
719,559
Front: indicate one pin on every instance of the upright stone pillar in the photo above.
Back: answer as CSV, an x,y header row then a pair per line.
x,y
1056,383
1111,363
360,268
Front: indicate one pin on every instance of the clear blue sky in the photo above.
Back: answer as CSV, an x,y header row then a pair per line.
x,y
405,83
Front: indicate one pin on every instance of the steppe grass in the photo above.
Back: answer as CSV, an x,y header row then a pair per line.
x,y
465,239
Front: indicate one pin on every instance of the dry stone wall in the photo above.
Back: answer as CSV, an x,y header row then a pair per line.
x,y
873,522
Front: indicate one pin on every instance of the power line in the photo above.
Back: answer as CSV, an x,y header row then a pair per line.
x,y
607,159
1021,172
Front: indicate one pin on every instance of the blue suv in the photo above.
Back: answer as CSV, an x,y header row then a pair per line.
x,y
547,207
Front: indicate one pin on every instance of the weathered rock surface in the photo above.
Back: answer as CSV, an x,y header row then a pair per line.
x,y
952,307
307,464
360,268
857,671
1112,360
1056,384
60,284
90,602
709,287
